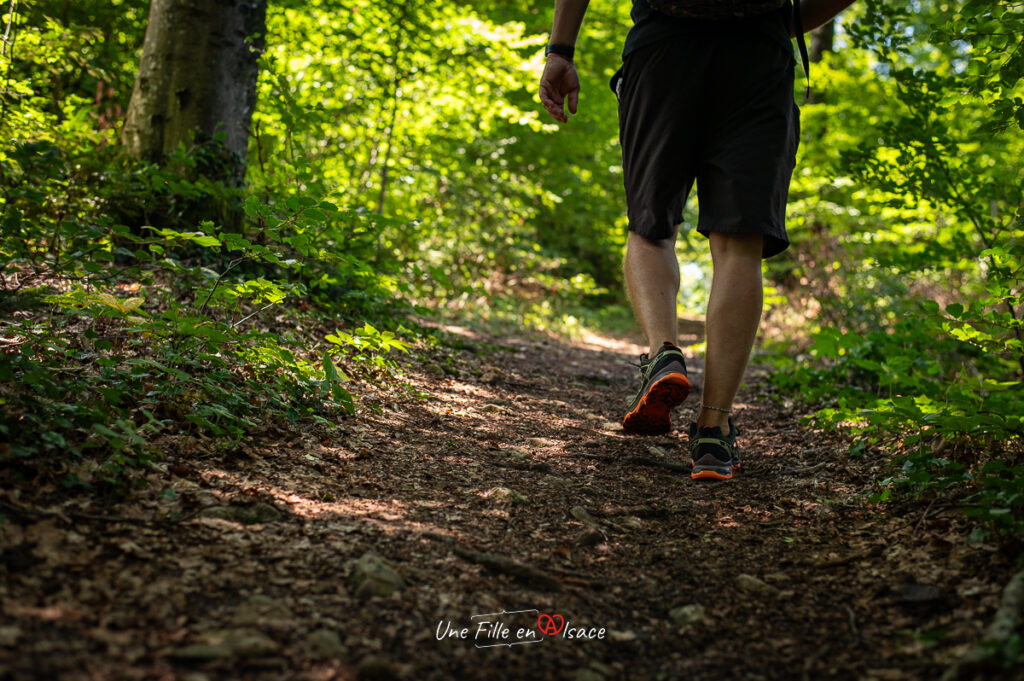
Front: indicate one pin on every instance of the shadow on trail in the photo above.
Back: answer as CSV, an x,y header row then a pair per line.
x,y
509,497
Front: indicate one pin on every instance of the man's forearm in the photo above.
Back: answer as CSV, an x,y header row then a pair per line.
x,y
814,13
568,19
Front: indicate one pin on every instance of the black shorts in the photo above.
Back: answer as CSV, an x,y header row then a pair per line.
x,y
718,109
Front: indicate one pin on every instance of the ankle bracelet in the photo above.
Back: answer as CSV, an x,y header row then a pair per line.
x,y
708,406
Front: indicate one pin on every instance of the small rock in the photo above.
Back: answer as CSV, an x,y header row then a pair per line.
x,y
622,636
688,614
218,512
657,452
777,577
201,652
206,499
581,514
327,643
589,538
918,594
262,513
251,644
275,662
259,513
633,523
507,495
259,608
195,676
9,636
372,668
753,585
514,453
601,378
374,576
587,675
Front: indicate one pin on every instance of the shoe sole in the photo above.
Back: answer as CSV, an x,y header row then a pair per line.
x,y
723,473
651,416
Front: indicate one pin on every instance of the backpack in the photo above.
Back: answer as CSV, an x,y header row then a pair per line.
x,y
715,9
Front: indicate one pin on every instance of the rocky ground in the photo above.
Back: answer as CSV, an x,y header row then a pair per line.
x,y
435,536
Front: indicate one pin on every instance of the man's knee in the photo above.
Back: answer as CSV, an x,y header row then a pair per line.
x,y
736,245
635,238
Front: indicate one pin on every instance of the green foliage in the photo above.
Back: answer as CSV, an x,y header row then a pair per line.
x,y
92,369
426,112
910,252
118,338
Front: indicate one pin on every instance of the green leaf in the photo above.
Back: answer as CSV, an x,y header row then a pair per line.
x,y
205,240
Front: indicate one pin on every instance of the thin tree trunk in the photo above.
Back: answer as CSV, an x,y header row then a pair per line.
x,y
387,153
822,39
197,81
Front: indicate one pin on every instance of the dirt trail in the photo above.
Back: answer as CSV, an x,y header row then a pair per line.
x,y
511,493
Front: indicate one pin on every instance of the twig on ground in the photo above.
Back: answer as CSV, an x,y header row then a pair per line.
x,y
655,463
853,558
806,469
75,515
525,573
924,515
853,621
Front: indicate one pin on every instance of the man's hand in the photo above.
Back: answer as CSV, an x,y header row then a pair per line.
x,y
559,81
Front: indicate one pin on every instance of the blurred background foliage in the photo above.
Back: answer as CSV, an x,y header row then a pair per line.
x,y
400,167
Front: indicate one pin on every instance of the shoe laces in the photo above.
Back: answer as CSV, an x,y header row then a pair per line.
x,y
644,362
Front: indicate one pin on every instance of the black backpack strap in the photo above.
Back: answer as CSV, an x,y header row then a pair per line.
x,y
799,25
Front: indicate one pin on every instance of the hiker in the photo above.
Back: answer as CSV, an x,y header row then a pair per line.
x,y
705,93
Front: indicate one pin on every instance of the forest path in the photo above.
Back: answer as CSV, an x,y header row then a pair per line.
x,y
512,493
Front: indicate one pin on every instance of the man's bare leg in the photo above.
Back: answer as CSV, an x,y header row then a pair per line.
x,y
734,313
652,281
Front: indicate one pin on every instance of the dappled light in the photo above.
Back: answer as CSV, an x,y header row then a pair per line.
x,y
317,359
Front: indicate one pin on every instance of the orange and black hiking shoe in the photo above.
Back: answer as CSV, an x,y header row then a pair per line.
x,y
663,386
713,454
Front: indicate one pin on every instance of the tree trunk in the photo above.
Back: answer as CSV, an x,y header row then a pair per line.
x,y
821,40
197,82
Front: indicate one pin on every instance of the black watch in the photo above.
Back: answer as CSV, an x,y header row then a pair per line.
x,y
561,50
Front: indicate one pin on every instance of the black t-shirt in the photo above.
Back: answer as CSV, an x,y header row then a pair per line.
x,y
651,27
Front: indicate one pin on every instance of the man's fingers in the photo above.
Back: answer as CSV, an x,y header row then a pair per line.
x,y
558,81
546,99
551,104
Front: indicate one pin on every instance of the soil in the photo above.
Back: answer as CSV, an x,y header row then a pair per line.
x,y
497,487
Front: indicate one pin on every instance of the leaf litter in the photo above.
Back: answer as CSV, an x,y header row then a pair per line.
x,y
510,488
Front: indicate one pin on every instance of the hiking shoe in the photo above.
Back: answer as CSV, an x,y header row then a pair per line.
x,y
713,454
663,386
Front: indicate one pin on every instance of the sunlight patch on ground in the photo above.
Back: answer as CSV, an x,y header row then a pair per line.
x,y
388,515
392,509
47,613
595,341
